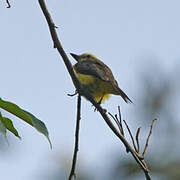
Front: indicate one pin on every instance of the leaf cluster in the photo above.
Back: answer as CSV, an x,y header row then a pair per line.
x,y
6,124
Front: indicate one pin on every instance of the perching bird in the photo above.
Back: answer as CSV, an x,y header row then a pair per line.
x,y
97,78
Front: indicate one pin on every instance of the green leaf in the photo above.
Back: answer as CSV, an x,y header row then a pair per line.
x,y
15,110
26,116
9,125
40,126
2,128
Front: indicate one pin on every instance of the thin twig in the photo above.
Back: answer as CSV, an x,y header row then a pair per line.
x,y
130,135
137,139
116,121
7,1
119,124
82,91
120,120
147,141
71,95
72,172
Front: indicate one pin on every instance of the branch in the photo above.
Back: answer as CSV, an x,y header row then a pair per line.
x,y
120,120
136,149
72,173
132,139
147,141
82,90
137,139
117,123
7,1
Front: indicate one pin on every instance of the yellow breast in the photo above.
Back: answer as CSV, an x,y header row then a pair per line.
x,y
96,87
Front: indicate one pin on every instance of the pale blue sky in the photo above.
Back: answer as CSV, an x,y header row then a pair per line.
x,y
124,34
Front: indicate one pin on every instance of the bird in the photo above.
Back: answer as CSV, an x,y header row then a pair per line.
x,y
97,78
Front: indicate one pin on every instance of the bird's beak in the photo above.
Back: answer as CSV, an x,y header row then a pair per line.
x,y
76,57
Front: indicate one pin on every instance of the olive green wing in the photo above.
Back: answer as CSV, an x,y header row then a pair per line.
x,y
94,68
99,70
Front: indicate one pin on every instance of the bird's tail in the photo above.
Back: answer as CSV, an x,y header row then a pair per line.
x,y
124,96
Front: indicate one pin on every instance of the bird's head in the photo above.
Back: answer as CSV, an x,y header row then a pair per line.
x,y
83,57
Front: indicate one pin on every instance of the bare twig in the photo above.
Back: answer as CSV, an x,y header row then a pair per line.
x,y
130,135
119,124
137,139
7,1
71,95
82,90
72,173
116,121
147,141
120,120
